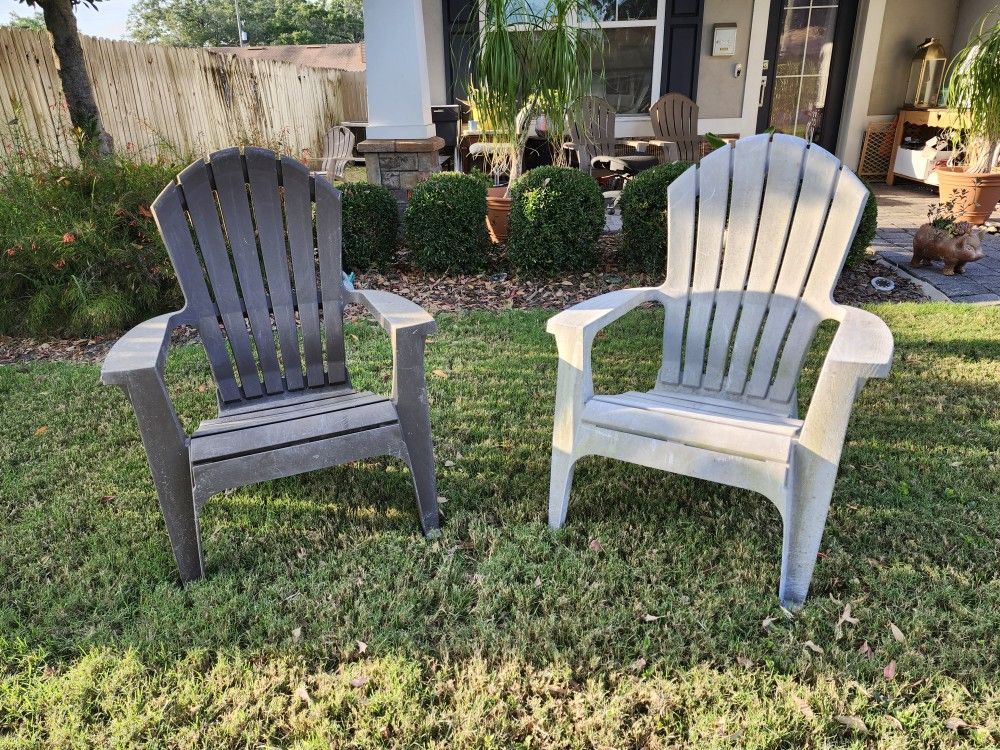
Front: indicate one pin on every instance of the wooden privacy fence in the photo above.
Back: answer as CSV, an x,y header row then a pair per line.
x,y
158,101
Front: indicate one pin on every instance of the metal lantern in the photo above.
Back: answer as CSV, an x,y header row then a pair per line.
x,y
926,74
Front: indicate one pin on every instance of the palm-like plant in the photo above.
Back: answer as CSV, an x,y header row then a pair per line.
x,y
564,60
528,62
974,93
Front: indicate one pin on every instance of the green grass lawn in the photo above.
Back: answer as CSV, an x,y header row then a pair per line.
x,y
327,620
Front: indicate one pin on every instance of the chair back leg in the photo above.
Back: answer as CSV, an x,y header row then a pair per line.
x,y
560,484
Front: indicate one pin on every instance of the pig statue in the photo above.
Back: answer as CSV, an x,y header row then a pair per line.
x,y
954,249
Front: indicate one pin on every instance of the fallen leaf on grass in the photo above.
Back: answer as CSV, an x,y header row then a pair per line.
x,y
897,634
652,618
812,647
853,723
638,664
803,706
865,650
768,622
744,662
845,616
359,681
890,670
303,695
955,723
538,581
41,430
440,374
595,545
449,463
362,647
895,723
296,634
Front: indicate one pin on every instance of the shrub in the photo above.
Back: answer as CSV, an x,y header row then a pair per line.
x,y
446,222
371,225
556,215
79,252
866,231
644,228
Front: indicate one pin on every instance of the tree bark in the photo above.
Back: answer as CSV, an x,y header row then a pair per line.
x,y
83,113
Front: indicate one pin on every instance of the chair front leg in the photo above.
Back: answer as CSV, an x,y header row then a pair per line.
x,y
573,387
812,475
409,393
166,448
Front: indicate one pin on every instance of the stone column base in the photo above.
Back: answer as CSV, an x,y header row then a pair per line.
x,y
400,165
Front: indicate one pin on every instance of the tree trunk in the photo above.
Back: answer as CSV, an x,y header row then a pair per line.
x,y
83,113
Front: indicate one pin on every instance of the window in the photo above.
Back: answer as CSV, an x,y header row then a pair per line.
x,y
629,53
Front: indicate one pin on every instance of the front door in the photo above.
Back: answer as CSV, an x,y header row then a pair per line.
x,y
805,68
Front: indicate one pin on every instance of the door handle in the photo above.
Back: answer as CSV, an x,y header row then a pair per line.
x,y
763,88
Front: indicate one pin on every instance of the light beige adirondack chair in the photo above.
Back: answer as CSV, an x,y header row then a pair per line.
x,y
675,128
757,235
339,148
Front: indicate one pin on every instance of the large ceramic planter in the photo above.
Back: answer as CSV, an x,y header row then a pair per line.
x,y
982,192
497,213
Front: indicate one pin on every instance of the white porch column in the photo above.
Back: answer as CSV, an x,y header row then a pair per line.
x,y
399,99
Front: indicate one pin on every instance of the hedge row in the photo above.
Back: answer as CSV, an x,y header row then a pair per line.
x,y
81,254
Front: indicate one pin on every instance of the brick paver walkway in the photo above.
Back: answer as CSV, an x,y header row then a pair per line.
x,y
903,208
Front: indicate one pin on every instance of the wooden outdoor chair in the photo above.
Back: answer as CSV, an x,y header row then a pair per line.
x,y
286,407
339,148
756,238
675,128
593,138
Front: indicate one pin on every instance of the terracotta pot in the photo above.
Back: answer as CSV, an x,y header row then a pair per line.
x,y
982,192
497,213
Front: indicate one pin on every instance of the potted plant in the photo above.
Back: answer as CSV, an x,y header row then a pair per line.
x,y
526,62
974,94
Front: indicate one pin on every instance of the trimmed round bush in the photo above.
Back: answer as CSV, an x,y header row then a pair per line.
x,y
644,227
371,226
866,231
556,216
445,222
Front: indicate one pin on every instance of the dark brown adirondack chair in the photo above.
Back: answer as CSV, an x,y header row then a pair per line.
x,y
593,136
675,128
249,278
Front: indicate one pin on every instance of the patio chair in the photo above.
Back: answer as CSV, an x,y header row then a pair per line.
x,y
593,138
286,407
756,238
338,152
675,128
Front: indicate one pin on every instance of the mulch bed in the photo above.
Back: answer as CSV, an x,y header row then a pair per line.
x,y
493,290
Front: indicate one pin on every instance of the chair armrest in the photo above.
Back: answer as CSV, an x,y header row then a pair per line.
x,y
394,313
587,318
141,349
863,341
641,146
861,349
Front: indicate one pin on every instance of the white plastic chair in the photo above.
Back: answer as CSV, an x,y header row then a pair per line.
x,y
337,155
757,235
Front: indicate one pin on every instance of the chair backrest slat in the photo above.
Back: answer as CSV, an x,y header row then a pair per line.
x,y
196,182
299,224
262,169
234,204
176,233
674,117
328,243
756,238
749,167
249,270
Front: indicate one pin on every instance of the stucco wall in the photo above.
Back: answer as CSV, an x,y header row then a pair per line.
x,y
969,14
720,94
434,39
907,23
